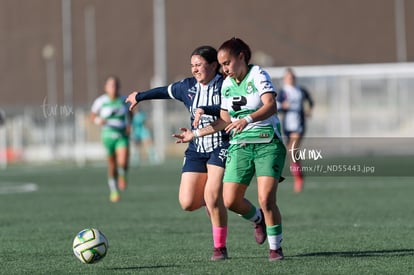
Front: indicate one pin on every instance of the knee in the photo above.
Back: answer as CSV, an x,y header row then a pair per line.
x,y
212,199
188,205
230,202
267,203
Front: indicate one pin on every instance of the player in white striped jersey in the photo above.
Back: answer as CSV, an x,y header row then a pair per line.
x,y
291,101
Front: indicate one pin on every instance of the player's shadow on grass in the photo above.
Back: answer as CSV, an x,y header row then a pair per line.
x,y
357,254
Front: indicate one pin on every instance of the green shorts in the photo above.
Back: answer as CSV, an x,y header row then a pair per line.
x,y
262,159
113,140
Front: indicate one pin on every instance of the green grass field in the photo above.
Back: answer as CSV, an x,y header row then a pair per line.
x,y
338,225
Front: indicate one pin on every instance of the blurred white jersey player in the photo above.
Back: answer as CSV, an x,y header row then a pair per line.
x,y
291,101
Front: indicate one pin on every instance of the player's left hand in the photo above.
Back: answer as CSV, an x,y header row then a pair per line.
x,y
237,126
131,99
197,115
185,136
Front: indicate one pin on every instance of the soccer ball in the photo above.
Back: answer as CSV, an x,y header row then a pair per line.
x,y
90,245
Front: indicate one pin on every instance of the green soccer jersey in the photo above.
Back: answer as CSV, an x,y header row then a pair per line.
x,y
243,99
113,111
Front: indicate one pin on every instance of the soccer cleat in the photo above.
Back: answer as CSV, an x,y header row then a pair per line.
x,y
114,196
260,230
122,183
276,255
219,254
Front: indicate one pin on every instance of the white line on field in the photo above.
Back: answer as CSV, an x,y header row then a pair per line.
x,y
17,187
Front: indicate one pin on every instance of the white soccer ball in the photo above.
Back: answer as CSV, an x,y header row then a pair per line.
x,y
90,245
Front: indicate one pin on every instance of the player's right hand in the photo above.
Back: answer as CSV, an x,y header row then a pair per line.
x,y
185,136
131,99
99,121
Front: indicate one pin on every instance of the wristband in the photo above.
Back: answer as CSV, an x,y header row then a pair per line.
x,y
248,118
196,134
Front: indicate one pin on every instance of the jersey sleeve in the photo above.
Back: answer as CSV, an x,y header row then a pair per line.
x,y
307,96
213,110
179,90
96,105
225,104
263,82
225,100
155,93
281,96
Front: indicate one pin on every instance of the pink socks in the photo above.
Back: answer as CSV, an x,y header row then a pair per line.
x,y
219,236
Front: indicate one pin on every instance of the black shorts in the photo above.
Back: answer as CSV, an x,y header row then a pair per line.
x,y
197,162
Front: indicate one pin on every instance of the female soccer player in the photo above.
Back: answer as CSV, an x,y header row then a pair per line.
x,y
291,99
110,111
248,113
203,169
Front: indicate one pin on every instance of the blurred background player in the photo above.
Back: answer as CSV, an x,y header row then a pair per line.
x,y
141,135
205,157
292,100
248,112
110,111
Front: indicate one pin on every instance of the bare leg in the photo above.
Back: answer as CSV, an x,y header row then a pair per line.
x,y
233,194
112,166
267,188
191,194
122,155
213,196
112,174
295,167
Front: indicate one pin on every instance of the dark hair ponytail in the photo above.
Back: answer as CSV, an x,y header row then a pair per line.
x,y
235,46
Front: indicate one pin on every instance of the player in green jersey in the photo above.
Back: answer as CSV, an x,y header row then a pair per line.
x,y
249,113
110,111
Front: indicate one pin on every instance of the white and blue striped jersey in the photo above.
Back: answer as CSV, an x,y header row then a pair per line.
x,y
294,116
195,95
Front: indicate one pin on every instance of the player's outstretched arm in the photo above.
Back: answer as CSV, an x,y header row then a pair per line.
x,y
154,93
131,100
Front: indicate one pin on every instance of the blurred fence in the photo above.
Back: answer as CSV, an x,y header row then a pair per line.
x,y
350,101
60,133
372,100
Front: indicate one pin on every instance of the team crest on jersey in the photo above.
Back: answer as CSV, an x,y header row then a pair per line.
x,y
250,88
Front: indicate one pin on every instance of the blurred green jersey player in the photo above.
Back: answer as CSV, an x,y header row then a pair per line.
x,y
110,112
